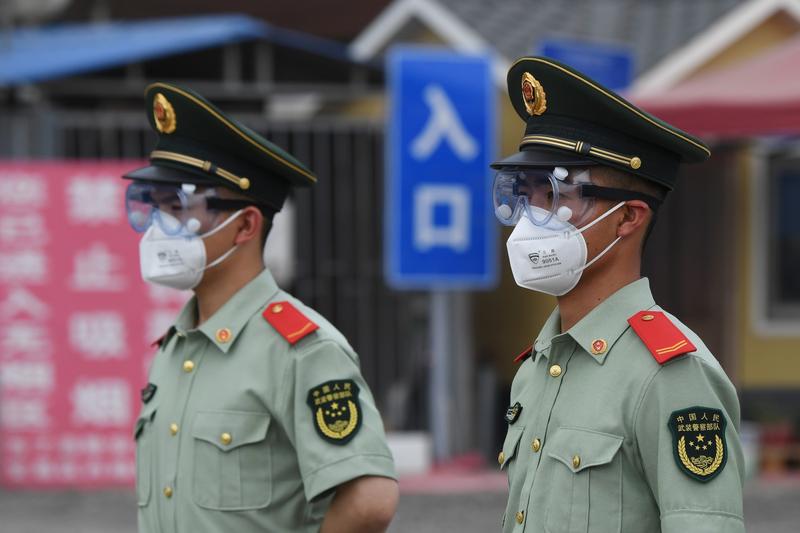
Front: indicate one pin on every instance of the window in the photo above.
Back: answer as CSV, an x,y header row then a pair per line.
x,y
777,245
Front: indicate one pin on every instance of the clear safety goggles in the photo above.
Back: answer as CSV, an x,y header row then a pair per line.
x,y
176,208
566,194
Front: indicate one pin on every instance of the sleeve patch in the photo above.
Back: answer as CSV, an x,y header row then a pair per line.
x,y
698,442
336,410
663,338
290,323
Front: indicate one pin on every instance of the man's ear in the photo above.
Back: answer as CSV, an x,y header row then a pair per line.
x,y
250,224
635,215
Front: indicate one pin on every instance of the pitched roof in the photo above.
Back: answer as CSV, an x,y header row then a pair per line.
x,y
760,96
650,28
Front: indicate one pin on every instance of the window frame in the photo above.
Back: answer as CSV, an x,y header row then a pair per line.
x,y
787,323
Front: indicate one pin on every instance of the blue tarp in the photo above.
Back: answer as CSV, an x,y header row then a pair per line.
x,y
38,54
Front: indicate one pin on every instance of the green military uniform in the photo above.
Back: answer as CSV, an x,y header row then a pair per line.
x,y
591,448
625,422
250,421
228,442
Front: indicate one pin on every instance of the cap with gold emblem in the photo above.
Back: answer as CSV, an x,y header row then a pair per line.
x,y
197,143
572,120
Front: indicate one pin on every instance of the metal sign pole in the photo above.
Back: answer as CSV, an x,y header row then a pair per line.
x,y
439,397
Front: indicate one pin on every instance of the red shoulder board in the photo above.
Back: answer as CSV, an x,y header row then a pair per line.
x,y
524,355
663,338
288,321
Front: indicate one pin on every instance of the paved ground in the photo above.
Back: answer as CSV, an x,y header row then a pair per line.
x,y
770,507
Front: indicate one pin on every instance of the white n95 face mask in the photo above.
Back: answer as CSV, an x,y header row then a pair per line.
x,y
177,261
552,257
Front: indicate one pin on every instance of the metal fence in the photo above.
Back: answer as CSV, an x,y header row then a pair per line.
x,y
339,229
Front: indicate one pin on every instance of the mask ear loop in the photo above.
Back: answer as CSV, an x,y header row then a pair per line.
x,y
607,248
227,254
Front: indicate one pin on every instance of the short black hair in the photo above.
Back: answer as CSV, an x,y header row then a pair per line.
x,y
266,211
612,177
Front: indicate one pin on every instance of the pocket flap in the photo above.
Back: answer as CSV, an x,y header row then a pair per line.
x,y
146,415
580,448
511,444
230,429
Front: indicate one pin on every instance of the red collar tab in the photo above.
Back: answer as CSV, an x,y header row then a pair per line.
x,y
524,355
663,338
288,321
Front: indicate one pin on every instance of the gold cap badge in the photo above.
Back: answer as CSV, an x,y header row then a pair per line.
x,y
533,95
164,114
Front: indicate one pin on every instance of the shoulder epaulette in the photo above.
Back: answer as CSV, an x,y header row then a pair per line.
x,y
663,338
524,355
290,323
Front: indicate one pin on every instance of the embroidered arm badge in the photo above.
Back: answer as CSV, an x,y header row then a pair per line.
x,y
698,442
663,338
289,322
336,410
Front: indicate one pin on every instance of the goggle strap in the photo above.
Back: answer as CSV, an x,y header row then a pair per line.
x,y
620,195
222,204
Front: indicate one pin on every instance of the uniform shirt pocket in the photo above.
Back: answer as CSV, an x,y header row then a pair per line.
x,y
143,434
510,445
586,474
232,462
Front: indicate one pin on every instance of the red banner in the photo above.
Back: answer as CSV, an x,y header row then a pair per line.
x,y
76,324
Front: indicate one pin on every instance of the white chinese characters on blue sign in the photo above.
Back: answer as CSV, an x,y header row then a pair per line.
x,y
439,229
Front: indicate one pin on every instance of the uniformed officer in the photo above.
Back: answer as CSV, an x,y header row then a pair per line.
x,y
620,419
256,416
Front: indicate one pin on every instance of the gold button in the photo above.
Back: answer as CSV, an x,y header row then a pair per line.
x,y
555,371
520,517
168,492
188,366
576,461
277,308
536,445
636,163
647,318
225,438
173,428
501,457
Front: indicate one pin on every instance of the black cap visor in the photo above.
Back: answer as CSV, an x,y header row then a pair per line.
x,y
544,157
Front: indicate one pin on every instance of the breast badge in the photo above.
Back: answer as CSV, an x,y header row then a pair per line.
x,y
699,442
336,410
512,413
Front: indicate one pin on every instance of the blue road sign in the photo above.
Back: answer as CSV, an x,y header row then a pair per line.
x,y
610,65
439,229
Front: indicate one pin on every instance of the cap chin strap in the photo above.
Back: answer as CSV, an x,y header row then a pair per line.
x,y
607,248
